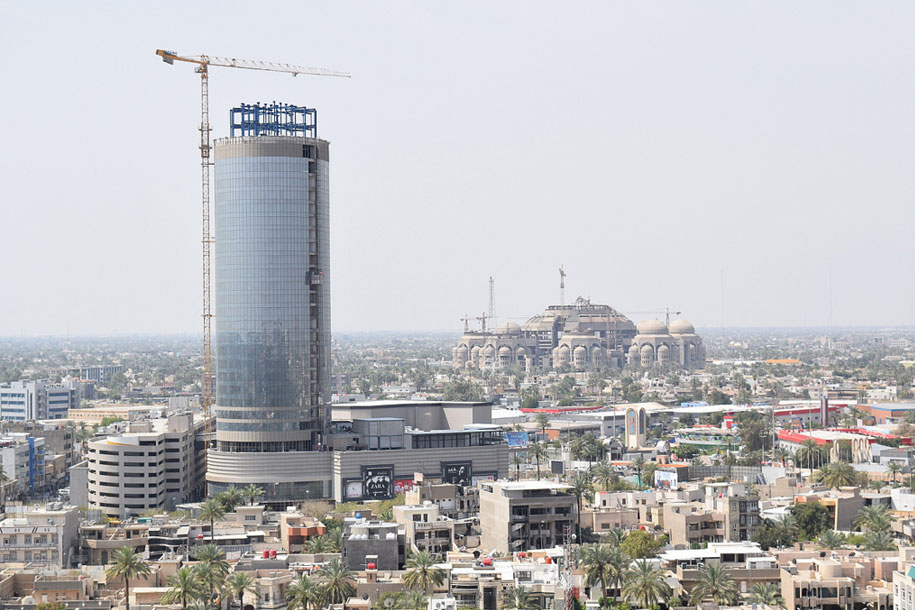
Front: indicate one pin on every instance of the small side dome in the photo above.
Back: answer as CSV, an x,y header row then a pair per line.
x,y
652,327
521,351
682,327
580,352
505,351
475,350
462,350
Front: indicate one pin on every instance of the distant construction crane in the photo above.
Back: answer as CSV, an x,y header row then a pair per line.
x,y
203,63
562,286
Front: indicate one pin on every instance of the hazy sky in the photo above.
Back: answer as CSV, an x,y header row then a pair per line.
x,y
723,158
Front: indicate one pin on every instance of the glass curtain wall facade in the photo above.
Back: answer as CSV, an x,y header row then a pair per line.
x,y
272,305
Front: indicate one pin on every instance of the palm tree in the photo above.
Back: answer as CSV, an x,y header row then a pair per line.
x,y
126,564
879,541
581,486
538,452
836,474
595,560
648,472
337,581
765,594
517,598
894,467
252,492
517,460
212,510
645,585
830,539
874,518
787,527
413,600
302,593
781,454
211,569
542,420
320,544
231,498
809,453
638,464
615,536
603,474
183,586
239,583
421,571
715,582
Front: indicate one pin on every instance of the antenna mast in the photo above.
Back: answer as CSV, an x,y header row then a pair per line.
x,y
562,286
492,298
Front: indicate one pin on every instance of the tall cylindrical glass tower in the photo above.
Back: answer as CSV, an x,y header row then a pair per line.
x,y
272,303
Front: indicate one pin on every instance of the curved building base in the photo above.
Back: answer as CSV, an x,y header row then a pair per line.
x,y
284,477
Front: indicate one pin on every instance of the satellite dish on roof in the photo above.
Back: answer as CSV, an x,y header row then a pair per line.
x,y
388,602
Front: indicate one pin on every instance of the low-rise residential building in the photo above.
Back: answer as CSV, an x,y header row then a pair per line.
x,y
40,535
843,505
691,523
296,529
523,515
455,501
425,529
745,562
23,460
739,505
378,543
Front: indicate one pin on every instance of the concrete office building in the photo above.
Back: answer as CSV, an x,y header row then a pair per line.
x,y
30,400
155,464
23,460
523,515
272,304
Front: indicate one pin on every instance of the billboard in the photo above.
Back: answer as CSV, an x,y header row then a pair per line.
x,y
517,439
352,489
665,479
403,485
378,482
457,473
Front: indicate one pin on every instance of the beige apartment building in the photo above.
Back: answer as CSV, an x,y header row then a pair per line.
x,y
425,529
155,464
40,535
524,515
691,523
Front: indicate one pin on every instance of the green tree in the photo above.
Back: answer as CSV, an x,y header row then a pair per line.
x,y
212,510
836,474
894,468
581,487
604,474
715,583
530,399
239,583
830,539
640,545
183,586
604,564
776,533
252,492
412,600
321,544
638,464
304,593
421,571
463,390
874,518
337,581
231,498
811,519
879,541
645,585
517,598
128,565
211,569
765,593
539,452
517,461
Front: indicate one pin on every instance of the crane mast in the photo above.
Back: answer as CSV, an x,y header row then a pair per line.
x,y
203,62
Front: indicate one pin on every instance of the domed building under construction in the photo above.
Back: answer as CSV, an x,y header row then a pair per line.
x,y
579,336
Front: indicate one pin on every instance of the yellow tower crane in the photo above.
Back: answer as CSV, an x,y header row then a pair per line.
x,y
203,63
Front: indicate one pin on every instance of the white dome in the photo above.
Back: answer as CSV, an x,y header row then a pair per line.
x,y
509,328
505,351
682,327
522,351
652,327
462,349
475,349
663,350
580,352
